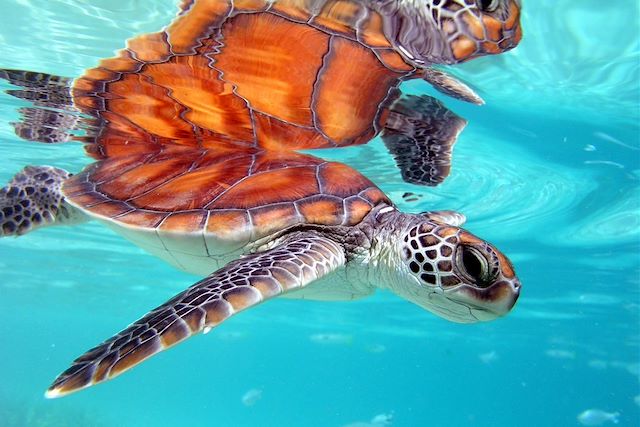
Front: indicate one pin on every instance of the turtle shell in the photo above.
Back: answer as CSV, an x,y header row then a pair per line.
x,y
285,74
198,208
234,193
199,122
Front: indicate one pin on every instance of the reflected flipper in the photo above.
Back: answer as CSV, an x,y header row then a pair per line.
x,y
44,125
451,86
44,90
54,118
296,262
420,133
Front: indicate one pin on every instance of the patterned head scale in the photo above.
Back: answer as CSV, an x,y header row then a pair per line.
x,y
468,279
451,31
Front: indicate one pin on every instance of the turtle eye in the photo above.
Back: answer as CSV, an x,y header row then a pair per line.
x,y
488,5
474,265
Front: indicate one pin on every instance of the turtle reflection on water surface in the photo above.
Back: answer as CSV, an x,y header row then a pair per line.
x,y
195,132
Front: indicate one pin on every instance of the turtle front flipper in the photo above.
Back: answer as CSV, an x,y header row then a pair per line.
x,y
54,118
299,260
33,199
420,132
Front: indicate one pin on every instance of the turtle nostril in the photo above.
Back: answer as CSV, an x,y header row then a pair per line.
x,y
515,285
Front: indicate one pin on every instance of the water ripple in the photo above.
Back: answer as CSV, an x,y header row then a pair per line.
x,y
76,33
571,60
514,197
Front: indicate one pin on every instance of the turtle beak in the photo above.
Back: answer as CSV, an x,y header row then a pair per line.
x,y
492,302
504,297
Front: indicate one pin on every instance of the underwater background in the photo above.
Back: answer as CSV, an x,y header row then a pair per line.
x,y
548,170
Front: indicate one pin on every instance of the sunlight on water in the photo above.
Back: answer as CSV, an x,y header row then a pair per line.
x,y
548,170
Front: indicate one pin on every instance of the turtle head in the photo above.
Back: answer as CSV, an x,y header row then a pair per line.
x,y
452,273
447,32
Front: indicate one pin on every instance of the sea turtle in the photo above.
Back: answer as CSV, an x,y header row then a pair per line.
x,y
196,130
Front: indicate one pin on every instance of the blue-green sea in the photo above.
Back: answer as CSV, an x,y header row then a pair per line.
x,y
548,170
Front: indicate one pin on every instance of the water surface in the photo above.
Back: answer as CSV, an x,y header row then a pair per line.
x,y
548,170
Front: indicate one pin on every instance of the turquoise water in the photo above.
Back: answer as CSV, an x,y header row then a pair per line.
x,y
548,170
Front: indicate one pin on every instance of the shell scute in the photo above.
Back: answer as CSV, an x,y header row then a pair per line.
x,y
356,209
140,218
208,102
145,177
77,187
295,10
112,208
186,33
229,224
149,107
359,100
270,219
322,209
274,134
92,201
259,54
122,138
243,6
194,188
282,185
150,47
185,222
374,195
272,160
338,179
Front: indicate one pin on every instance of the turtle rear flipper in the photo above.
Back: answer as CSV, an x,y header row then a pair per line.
x,y
44,125
420,132
302,258
33,199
